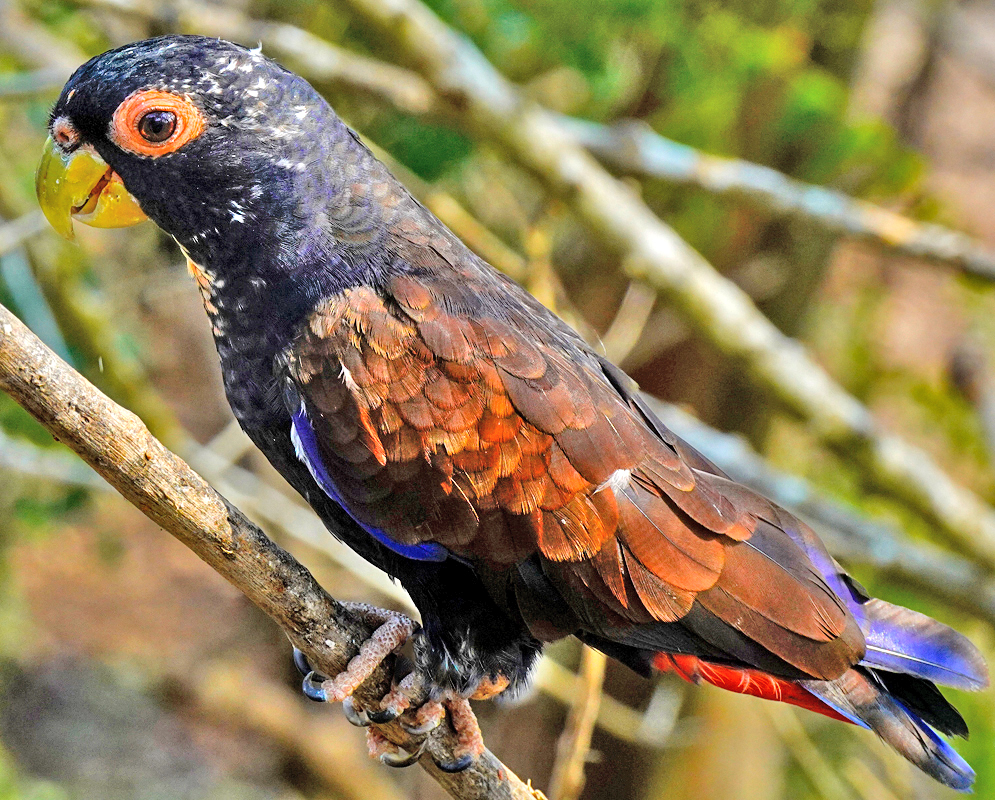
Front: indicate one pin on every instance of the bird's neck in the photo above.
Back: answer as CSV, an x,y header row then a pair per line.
x,y
257,300
303,231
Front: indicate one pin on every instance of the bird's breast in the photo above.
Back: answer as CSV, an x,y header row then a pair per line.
x,y
251,327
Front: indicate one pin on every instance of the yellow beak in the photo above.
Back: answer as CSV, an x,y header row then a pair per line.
x,y
80,185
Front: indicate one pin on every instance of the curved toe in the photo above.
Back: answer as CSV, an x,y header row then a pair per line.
x,y
301,662
424,728
383,716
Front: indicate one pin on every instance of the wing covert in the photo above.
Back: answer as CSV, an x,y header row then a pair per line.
x,y
440,423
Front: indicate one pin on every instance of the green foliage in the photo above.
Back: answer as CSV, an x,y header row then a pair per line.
x,y
13,786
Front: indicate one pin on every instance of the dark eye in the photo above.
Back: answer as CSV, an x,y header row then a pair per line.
x,y
157,126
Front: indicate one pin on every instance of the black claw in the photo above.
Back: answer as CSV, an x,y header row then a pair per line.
x,y
384,716
423,729
311,686
459,765
357,717
301,662
400,761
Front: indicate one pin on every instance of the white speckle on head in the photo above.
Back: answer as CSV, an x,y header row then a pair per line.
x,y
239,213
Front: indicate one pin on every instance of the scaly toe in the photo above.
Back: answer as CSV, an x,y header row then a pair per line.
x,y
426,719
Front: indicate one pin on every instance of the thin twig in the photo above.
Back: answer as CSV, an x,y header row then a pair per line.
x,y
50,465
21,86
626,329
815,766
567,781
116,444
635,148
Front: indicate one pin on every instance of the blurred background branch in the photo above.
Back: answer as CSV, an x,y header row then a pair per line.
x,y
635,149
852,150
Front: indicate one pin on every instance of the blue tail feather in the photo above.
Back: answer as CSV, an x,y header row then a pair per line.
x,y
858,696
900,640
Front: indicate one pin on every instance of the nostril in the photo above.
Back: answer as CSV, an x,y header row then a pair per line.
x,y
65,134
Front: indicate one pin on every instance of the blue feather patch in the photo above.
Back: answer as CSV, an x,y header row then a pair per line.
x,y
901,640
306,444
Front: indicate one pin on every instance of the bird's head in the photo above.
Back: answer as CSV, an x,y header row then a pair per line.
x,y
214,142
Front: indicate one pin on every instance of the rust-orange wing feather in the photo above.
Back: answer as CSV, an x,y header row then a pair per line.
x,y
486,434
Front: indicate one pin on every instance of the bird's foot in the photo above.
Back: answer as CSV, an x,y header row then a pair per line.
x,y
405,701
393,630
420,719
469,740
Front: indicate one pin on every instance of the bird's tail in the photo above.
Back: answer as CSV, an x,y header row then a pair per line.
x,y
891,692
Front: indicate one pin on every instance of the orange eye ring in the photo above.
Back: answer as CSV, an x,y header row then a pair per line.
x,y
126,125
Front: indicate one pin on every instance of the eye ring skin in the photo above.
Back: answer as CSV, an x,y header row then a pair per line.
x,y
124,128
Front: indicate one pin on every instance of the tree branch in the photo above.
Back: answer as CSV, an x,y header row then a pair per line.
x,y
567,781
117,445
635,148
